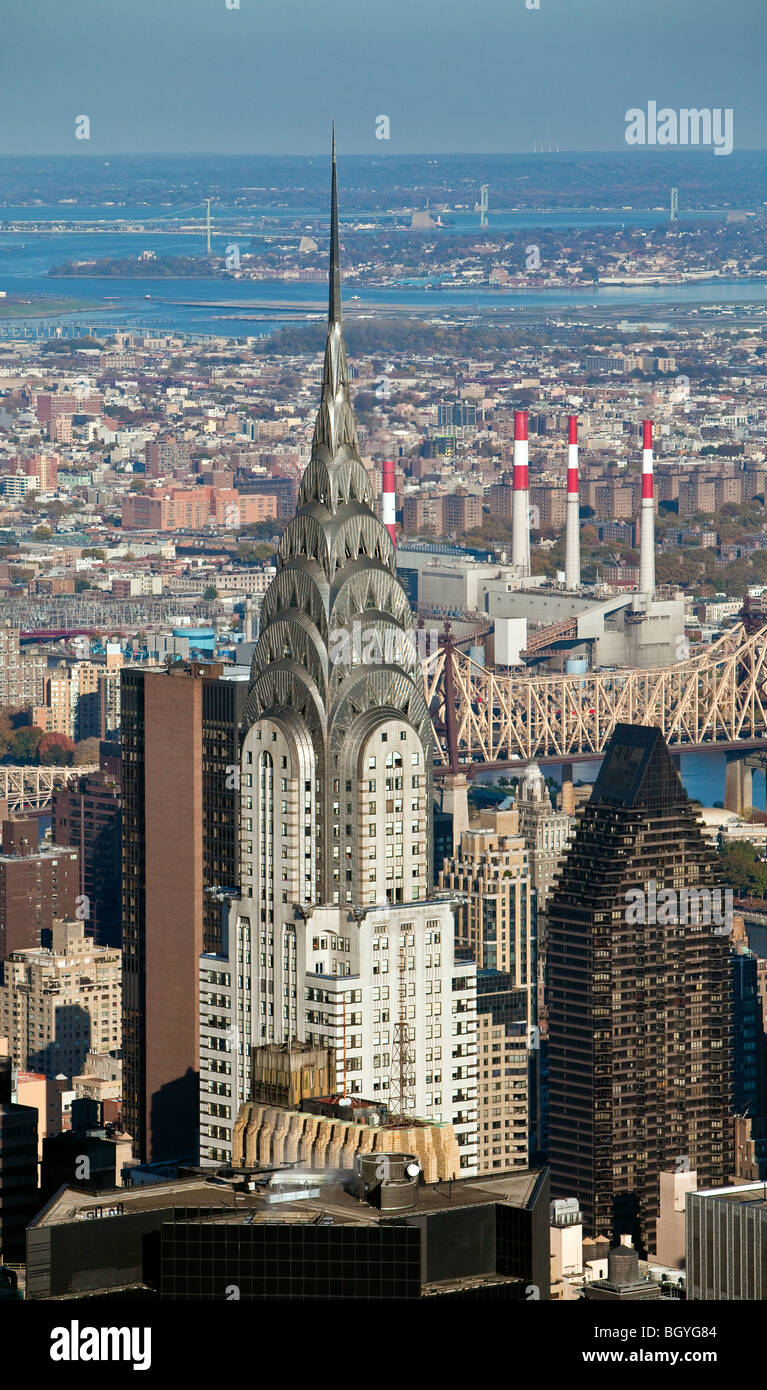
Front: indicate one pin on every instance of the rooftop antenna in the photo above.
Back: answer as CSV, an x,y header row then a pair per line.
x,y
402,1054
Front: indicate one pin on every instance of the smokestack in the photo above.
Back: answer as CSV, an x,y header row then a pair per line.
x,y
520,502
573,532
647,519
388,497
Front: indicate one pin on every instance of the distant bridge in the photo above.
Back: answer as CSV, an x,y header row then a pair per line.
x,y
716,701
32,788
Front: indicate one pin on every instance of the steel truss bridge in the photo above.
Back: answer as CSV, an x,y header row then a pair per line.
x,y
715,701
32,788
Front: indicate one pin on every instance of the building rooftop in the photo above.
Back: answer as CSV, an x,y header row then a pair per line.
x,y
234,1205
751,1194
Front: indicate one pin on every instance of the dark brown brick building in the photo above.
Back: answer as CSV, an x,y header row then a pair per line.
x,y
36,885
88,817
180,755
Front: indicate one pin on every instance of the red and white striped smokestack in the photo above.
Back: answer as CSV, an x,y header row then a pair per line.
x,y
520,501
647,517
572,523
389,500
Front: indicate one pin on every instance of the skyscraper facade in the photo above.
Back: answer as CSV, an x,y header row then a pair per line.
x,y
180,750
86,816
639,998
333,932
36,886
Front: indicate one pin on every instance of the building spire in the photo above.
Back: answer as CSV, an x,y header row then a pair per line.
x,y
334,304
335,421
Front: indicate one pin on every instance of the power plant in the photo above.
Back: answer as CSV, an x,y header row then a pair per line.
x,y
516,620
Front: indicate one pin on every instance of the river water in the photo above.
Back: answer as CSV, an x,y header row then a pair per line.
x,y
702,777
27,257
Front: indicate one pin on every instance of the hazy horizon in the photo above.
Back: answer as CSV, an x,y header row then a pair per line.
x,y
197,77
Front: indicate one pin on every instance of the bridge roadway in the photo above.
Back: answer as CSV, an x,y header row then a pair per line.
x,y
715,701
32,788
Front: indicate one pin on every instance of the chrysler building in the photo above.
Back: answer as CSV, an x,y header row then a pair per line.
x,y
333,939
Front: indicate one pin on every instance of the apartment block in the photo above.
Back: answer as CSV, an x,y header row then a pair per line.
x,y
58,1005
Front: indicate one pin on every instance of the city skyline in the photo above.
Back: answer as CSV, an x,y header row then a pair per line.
x,y
383,717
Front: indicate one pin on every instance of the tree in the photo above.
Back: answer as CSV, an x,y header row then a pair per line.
x,y
742,869
6,731
86,751
210,594
25,743
55,750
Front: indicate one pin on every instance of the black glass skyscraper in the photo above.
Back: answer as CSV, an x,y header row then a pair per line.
x,y
639,998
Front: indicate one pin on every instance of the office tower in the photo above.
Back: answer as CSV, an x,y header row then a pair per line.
x,y
345,1240
495,916
544,830
726,1236
57,1005
546,833
180,753
639,998
748,1064
505,1079
333,933
87,816
18,1169
36,885
496,926
379,986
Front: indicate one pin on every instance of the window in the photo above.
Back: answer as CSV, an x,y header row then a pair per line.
x,y
371,762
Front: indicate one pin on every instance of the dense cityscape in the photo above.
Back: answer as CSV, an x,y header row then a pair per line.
x,y
383,775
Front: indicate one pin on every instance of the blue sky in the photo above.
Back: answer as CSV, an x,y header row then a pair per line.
x,y
477,76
